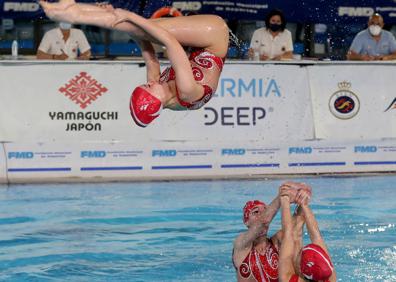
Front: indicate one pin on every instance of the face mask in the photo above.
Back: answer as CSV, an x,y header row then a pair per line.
x,y
65,26
375,29
275,27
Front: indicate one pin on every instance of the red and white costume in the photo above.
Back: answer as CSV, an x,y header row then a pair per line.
x,y
264,268
206,69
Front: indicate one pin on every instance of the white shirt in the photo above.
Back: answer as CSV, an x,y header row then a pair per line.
x,y
266,44
53,43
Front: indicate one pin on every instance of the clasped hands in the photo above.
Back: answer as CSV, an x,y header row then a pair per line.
x,y
298,193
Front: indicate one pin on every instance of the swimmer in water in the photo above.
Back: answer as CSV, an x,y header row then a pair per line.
x,y
255,255
189,82
310,263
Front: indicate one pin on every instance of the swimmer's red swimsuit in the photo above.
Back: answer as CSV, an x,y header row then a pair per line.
x,y
206,69
294,278
263,267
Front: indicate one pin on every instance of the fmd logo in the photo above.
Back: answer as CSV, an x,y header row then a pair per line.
x,y
300,150
365,149
92,154
21,7
233,152
20,155
163,153
355,11
187,5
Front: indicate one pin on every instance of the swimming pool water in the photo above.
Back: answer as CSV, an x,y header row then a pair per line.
x,y
181,231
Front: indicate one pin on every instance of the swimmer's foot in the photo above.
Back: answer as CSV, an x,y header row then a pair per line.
x,y
79,13
61,5
60,11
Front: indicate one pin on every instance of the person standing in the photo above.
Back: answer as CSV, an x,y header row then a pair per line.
x,y
64,43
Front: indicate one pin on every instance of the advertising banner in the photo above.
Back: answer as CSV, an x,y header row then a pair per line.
x,y
340,157
90,103
68,162
351,102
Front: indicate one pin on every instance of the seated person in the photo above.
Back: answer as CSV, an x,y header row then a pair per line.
x,y
312,262
272,42
373,43
64,43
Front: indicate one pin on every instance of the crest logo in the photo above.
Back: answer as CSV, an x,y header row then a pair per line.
x,y
83,89
344,104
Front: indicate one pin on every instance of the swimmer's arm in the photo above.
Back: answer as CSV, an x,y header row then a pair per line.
x,y
298,221
312,227
245,240
189,90
151,60
286,254
271,210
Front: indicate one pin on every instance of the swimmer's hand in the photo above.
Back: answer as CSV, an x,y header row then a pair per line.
x,y
287,190
121,16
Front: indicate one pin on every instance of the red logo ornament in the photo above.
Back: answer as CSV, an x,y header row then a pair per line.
x,y
83,89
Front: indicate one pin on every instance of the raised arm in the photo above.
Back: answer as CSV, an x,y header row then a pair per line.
x,y
151,60
245,240
286,255
298,221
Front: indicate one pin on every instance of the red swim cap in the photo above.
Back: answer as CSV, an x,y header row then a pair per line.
x,y
144,107
248,208
315,263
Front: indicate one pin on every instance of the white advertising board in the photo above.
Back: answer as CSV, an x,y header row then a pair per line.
x,y
90,103
63,162
353,102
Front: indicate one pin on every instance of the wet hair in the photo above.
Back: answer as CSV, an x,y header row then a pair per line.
x,y
275,12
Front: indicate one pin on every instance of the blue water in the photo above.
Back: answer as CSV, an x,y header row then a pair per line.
x,y
181,231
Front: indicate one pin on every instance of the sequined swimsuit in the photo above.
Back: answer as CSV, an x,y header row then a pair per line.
x,y
206,69
264,268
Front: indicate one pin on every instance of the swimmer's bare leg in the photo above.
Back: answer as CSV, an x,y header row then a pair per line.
x,y
202,31
69,11
80,13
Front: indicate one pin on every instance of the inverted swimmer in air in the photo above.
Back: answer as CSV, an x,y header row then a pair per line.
x,y
192,78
